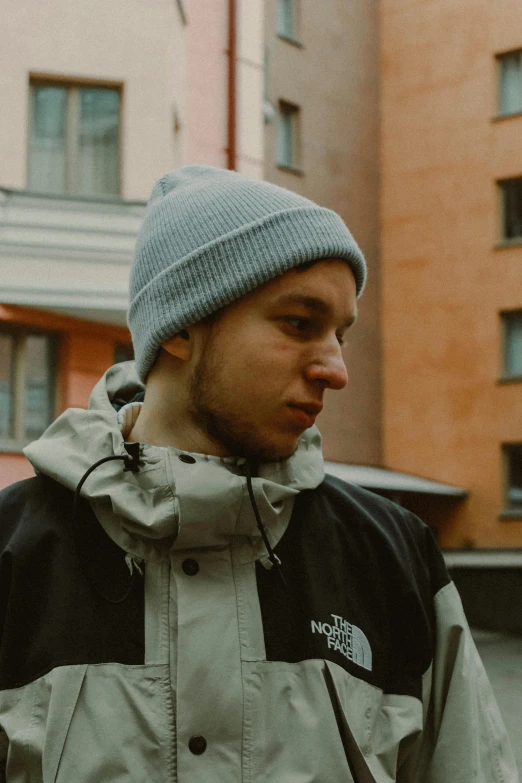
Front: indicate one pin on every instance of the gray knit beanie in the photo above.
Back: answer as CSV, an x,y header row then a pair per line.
x,y
210,236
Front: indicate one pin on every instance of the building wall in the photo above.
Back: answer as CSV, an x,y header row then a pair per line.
x,y
172,60
119,41
85,352
206,70
333,77
445,281
175,97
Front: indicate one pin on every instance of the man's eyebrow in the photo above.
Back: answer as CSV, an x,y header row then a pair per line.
x,y
313,303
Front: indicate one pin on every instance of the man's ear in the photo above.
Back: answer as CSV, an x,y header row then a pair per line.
x,y
179,345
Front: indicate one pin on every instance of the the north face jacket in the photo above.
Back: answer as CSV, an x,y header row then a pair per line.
x,y
146,638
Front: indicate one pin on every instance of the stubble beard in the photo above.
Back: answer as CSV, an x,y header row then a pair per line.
x,y
212,410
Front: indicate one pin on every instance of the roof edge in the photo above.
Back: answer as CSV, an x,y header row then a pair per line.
x,y
371,477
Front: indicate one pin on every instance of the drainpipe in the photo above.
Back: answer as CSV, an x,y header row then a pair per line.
x,y
232,49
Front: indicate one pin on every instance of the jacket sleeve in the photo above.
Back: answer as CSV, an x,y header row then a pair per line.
x,y
3,754
464,739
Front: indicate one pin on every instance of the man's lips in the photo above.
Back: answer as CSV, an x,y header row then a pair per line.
x,y
313,408
305,412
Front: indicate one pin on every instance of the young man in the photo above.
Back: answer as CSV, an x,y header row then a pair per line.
x,y
184,595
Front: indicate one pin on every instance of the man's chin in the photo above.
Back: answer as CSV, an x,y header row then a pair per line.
x,y
274,453
264,452
239,439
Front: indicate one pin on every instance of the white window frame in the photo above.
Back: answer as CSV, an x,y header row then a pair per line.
x,y
72,119
19,336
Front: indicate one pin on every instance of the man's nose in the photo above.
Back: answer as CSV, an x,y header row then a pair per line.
x,y
329,367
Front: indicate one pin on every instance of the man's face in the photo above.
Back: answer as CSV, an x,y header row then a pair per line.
x,y
260,380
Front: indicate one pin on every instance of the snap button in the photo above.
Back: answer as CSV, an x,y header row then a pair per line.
x,y
190,566
197,744
187,458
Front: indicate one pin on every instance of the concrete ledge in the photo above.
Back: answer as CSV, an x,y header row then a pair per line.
x,y
483,558
67,254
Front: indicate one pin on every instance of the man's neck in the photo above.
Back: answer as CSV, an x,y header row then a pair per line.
x,y
170,430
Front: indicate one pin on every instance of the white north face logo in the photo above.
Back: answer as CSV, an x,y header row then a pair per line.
x,y
347,639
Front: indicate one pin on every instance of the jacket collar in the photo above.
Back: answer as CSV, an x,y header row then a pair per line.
x,y
171,501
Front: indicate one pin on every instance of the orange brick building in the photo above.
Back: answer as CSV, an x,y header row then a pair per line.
x,y
452,257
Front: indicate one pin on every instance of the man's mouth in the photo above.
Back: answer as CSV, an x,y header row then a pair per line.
x,y
312,408
305,412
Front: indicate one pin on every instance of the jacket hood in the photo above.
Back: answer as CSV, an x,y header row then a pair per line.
x,y
169,502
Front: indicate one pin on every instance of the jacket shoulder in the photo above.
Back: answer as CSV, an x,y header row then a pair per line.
x,y
26,489
359,515
27,507
365,506
357,496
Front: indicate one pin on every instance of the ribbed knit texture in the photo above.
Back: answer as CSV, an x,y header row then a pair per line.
x,y
210,236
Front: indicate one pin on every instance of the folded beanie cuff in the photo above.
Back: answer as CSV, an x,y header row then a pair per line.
x,y
231,266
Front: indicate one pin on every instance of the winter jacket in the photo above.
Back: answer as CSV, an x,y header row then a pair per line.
x,y
146,637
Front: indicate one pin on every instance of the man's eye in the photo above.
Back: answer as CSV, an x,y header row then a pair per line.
x,y
301,324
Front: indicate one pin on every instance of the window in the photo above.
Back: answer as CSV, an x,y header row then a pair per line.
x,y
510,83
512,324
287,19
74,139
513,465
511,207
27,386
288,132
123,353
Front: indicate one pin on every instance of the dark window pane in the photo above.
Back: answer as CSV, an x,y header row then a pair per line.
x,y
47,145
39,391
512,206
287,131
510,88
6,385
98,165
123,353
286,18
513,344
515,476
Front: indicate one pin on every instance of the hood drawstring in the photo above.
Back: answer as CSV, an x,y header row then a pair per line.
x,y
131,462
276,562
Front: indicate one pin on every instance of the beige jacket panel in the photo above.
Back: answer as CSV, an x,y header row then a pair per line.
x,y
465,739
